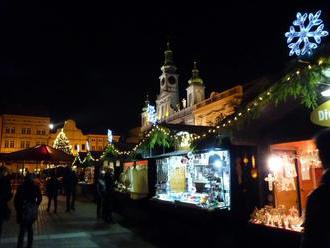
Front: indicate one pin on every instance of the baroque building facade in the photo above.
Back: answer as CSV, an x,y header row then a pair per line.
x,y
193,109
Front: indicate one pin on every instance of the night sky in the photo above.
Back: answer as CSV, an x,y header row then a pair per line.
x,y
96,61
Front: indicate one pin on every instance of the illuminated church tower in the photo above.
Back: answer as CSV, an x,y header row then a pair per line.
x,y
196,88
168,98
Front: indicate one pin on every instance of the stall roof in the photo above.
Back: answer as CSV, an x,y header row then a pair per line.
x,y
39,153
186,128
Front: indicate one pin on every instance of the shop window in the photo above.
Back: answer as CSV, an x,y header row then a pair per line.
x,y
202,180
6,143
294,171
12,144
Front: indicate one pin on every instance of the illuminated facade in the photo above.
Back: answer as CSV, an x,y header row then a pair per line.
x,y
194,109
21,131
96,142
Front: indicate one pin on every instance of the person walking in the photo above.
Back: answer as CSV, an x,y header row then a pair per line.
x,y
52,187
317,216
27,200
100,194
108,198
5,196
70,182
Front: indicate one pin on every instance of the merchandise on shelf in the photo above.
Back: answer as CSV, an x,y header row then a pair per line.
x,y
201,179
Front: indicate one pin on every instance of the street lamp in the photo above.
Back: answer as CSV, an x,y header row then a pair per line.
x,y
51,126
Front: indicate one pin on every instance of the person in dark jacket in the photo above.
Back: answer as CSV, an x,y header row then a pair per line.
x,y
100,195
108,197
27,200
52,188
70,182
317,217
5,196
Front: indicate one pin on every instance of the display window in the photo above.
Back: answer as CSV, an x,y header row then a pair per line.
x,y
134,179
294,172
201,179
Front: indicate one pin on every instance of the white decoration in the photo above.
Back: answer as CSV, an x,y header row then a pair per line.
x,y
307,37
151,114
270,179
110,137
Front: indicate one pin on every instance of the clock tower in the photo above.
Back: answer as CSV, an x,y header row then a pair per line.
x,y
168,98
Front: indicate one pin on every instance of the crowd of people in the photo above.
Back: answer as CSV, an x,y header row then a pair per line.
x,y
28,197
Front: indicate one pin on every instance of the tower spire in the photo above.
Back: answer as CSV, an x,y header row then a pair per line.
x,y
168,55
195,78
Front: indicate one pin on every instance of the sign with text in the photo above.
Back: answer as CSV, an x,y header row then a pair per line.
x,y
321,115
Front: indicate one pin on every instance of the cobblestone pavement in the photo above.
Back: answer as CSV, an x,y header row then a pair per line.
x,y
76,229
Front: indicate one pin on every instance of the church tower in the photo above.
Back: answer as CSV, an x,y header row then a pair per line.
x,y
196,88
168,98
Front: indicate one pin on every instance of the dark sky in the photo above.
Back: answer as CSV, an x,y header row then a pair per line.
x,y
96,61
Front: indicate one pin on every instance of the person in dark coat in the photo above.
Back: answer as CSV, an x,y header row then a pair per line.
x,y
108,198
52,188
100,195
27,200
5,196
70,182
317,217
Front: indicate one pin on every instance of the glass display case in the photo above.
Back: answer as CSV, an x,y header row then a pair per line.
x,y
201,179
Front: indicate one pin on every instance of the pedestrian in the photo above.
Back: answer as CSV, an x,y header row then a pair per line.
x,y
70,182
109,196
317,216
100,195
52,187
5,196
27,200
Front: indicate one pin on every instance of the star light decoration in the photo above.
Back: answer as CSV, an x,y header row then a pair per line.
x,y
306,38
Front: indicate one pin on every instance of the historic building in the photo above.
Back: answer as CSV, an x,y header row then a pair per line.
x,y
193,109
96,142
19,132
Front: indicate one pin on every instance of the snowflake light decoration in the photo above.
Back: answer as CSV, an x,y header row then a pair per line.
x,y
306,38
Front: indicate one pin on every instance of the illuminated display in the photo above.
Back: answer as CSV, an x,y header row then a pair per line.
x,y
201,179
307,37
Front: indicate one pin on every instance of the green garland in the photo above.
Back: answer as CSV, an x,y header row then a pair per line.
x,y
301,84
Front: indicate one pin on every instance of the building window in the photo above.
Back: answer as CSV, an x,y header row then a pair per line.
x,y
100,140
93,148
22,144
93,139
12,144
28,131
27,144
76,147
100,148
6,143
43,132
12,130
23,130
7,130
38,132
83,147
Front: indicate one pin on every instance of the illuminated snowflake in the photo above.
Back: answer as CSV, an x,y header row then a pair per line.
x,y
151,114
306,38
